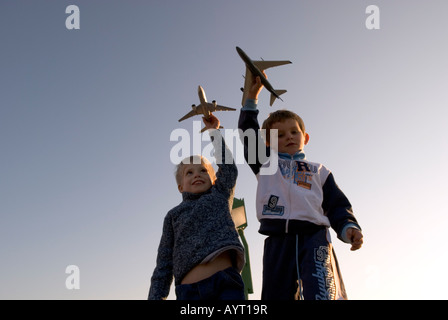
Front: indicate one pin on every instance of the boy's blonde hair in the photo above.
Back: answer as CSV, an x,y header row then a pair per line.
x,y
196,159
280,116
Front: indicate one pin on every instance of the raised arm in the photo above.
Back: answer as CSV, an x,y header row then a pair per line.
x,y
250,129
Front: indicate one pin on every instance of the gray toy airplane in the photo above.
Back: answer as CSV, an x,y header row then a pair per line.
x,y
254,69
205,108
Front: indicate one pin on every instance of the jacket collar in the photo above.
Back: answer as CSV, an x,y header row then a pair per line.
x,y
194,196
299,155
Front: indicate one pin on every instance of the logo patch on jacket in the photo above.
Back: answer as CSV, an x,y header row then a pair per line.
x,y
302,179
301,173
272,208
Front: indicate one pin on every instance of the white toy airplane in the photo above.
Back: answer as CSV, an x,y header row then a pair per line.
x,y
204,108
254,69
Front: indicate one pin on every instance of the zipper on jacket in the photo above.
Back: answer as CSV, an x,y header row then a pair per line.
x,y
291,175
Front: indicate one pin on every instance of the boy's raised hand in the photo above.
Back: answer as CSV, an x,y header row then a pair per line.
x,y
256,87
355,237
212,122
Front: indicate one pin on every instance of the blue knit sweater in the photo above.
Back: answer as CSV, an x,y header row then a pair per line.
x,y
199,226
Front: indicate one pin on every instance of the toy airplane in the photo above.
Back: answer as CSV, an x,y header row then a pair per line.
x,y
205,108
254,69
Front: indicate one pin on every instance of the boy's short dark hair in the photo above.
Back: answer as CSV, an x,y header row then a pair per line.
x,y
279,116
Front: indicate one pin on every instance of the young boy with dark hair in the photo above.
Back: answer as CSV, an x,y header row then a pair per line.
x,y
296,206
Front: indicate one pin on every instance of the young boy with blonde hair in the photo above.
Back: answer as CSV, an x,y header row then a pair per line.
x,y
199,245
296,206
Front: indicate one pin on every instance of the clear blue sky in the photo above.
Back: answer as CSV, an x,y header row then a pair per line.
x,y
86,117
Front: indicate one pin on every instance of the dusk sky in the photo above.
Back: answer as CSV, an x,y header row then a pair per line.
x,y
86,117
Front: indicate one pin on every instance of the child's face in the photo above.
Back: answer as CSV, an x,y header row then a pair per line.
x,y
195,179
290,137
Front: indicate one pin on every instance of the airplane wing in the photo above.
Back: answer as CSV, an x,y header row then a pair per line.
x,y
188,115
212,108
222,108
263,65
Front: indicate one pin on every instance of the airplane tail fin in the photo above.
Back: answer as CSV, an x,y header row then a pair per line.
x,y
276,95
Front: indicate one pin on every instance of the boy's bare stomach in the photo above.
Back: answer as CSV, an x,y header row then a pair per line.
x,y
206,270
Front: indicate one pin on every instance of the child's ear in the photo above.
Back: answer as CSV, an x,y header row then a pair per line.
x,y
307,138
